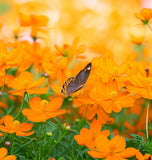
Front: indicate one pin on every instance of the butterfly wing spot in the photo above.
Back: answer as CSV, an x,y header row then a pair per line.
x,y
65,84
88,67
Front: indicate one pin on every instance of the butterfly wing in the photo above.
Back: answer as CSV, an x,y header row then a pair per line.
x,y
83,75
73,84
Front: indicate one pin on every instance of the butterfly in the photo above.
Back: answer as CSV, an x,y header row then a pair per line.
x,y
74,84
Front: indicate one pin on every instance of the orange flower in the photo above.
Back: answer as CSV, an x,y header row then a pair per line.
x,y
145,15
141,82
70,50
14,126
24,83
147,156
3,155
109,96
25,60
34,21
107,69
91,110
7,80
41,110
138,125
8,59
111,149
87,137
59,70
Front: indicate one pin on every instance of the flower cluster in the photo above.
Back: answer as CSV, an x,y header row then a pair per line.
x,y
109,102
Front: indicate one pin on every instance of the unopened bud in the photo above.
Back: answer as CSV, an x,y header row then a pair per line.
x,y
7,143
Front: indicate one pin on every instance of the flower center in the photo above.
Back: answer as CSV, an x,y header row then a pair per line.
x,y
16,123
44,103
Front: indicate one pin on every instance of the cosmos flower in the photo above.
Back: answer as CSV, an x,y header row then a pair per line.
x,y
3,155
14,126
24,83
87,137
41,110
111,149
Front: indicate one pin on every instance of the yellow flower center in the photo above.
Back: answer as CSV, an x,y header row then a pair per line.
x,y
113,94
44,103
16,123
115,71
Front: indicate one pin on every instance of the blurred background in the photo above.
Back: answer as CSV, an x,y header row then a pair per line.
x,y
104,26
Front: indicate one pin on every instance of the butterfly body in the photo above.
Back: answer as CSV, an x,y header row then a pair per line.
x,y
74,84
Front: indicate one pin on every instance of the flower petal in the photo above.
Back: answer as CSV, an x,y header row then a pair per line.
x,y
3,152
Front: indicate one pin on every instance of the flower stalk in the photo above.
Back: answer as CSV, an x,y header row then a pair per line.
x,y
13,143
147,136
20,108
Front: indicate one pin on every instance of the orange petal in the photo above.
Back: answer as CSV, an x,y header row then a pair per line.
x,y
34,103
102,144
58,49
81,140
55,104
10,157
54,113
3,152
56,88
97,154
128,152
26,76
25,126
19,133
96,126
118,143
17,92
139,156
105,133
42,90
37,83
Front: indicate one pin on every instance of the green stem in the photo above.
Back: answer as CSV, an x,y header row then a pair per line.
x,y
27,96
3,83
20,108
13,143
58,141
147,121
3,138
44,124
40,143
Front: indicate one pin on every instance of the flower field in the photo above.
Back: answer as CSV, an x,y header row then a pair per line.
x,y
75,80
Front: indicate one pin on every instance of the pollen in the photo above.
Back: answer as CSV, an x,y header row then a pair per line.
x,y
44,103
